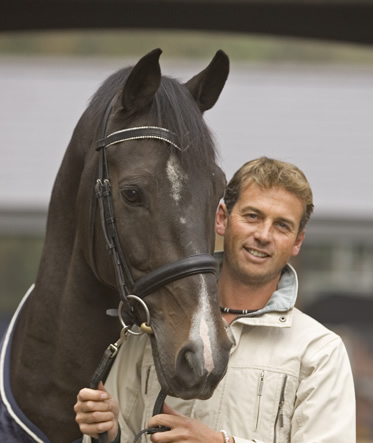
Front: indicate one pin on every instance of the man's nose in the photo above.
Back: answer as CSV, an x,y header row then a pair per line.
x,y
263,232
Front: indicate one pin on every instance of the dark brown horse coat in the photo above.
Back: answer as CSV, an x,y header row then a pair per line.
x,y
164,200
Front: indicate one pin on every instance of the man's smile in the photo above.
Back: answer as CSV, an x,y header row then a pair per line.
x,y
256,253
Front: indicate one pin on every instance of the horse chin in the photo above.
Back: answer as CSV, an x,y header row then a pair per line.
x,y
187,387
202,390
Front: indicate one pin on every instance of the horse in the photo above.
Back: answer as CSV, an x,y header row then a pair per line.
x,y
130,222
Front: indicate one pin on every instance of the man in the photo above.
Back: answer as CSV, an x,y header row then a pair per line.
x,y
288,378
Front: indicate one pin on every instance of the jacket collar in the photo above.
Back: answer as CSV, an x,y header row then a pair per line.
x,y
285,296
278,311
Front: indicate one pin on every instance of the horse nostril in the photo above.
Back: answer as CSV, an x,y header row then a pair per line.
x,y
190,364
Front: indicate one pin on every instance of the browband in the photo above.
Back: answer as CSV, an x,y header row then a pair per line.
x,y
140,132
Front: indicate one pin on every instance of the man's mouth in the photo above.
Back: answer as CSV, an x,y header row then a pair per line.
x,y
257,253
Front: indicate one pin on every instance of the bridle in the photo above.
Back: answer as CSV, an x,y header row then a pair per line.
x,y
184,267
127,287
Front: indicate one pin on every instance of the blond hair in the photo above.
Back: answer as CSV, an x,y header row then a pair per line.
x,y
268,173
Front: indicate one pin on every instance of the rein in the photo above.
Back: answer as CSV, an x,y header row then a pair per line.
x,y
127,287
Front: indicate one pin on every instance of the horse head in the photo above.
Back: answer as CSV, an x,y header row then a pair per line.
x,y
158,163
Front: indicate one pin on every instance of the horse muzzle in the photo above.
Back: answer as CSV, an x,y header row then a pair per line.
x,y
196,378
192,367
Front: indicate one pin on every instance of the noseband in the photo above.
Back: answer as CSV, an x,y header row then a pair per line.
x,y
184,267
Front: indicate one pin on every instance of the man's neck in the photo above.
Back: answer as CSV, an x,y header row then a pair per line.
x,y
235,294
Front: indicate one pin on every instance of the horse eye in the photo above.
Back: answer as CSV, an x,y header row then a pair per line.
x,y
132,196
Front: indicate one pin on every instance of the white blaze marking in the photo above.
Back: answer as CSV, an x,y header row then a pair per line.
x,y
176,176
202,324
201,321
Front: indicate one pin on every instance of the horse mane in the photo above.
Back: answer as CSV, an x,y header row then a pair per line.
x,y
173,108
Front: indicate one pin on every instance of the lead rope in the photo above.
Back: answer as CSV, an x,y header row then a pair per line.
x,y
158,408
102,371
107,360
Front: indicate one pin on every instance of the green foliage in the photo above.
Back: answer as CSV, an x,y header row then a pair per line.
x,y
19,260
189,44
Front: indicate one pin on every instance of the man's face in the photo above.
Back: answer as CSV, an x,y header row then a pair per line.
x,y
261,233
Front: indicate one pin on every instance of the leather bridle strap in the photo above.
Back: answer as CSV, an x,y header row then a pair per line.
x,y
158,409
138,133
202,263
104,196
194,264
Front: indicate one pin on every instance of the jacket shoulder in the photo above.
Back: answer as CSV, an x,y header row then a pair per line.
x,y
320,343
312,332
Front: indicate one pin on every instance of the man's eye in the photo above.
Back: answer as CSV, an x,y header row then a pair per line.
x,y
252,216
283,226
131,196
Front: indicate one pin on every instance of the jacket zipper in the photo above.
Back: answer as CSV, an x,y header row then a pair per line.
x,y
280,412
259,395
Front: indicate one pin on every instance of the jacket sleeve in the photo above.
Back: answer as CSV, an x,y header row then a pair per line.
x,y
324,408
325,401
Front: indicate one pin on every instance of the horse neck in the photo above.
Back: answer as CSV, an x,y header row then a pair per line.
x,y
65,285
64,316
58,355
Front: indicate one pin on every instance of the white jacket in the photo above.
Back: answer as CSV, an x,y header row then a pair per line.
x,y
289,380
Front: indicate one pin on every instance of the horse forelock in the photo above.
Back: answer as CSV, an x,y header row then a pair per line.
x,y
175,109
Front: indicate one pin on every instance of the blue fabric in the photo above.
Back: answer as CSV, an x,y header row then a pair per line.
x,y
15,427
10,431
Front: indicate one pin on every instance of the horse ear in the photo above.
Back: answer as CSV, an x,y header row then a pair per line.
x,y
142,82
208,84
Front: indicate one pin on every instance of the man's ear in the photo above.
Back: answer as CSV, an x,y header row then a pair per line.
x,y
221,219
298,243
